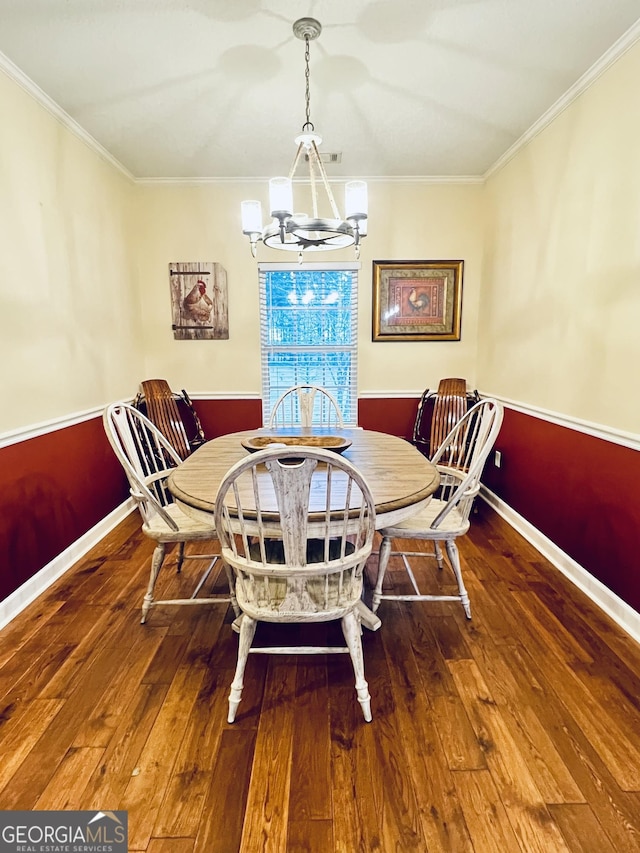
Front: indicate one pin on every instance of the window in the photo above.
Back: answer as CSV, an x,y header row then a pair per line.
x,y
308,323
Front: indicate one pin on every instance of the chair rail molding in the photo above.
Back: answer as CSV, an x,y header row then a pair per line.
x,y
617,436
626,439
15,436
224,395
389,395
623,614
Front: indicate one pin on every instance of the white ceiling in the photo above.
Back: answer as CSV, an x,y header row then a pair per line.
x,y
215,88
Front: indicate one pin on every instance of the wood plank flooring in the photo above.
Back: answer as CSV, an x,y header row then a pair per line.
x,y
517,732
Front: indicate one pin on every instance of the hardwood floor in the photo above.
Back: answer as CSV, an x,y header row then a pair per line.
x,y
516,732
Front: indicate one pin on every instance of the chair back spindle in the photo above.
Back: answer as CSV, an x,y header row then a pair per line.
x,y
162,410
306,406
439,411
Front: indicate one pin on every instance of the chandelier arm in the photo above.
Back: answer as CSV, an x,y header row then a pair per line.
x,y
296,160
325,181
312,182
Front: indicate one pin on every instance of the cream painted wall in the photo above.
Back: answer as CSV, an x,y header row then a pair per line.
x,y
560,318
181,222
421,221
69,324
84,275
552,241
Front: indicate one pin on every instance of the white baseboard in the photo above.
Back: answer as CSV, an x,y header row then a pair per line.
x,y
42,580
621,613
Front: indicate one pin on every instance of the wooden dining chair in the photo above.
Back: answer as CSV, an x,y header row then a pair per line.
x,y
460,461
439,411
147,458
162,409
297,545
306,406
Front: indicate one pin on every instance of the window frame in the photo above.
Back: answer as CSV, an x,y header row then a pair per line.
x,y
350,414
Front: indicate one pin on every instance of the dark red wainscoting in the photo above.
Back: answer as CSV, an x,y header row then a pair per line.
x,y
580,491
53,489
220,417
395,416
56,487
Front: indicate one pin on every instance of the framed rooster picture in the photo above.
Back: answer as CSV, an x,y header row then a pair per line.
x,y
417,300
199,301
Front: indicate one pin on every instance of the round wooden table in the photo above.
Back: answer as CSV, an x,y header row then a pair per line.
x,y
401,479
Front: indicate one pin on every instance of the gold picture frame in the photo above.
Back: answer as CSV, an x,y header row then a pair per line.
x,y
417,300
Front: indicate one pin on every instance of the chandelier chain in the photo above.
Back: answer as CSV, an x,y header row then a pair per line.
x,y
308,125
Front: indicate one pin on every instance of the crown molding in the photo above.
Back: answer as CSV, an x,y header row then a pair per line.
x,y
624,43
12,71
380,179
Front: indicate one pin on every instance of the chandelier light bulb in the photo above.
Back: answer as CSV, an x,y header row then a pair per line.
x,y
280,197
356,203
251,217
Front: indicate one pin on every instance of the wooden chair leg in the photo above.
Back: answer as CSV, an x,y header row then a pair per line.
x,y
437,547
180,556
232,590
454,559
156,564
383,559
247,632
353,639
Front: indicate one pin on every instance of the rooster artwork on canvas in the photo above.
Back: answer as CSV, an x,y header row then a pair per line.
x,y
198,304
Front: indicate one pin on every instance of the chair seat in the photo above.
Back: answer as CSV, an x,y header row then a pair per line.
x,y
419,525
156,528
298,597
280,600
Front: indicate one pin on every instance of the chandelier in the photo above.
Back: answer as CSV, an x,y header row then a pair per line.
x,y
297,231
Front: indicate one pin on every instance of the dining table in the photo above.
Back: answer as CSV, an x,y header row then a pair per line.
x,y
401,479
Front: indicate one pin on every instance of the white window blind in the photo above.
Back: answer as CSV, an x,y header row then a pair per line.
x,y
308,327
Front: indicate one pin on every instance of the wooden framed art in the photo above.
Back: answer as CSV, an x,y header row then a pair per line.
x,y
417,300
199,301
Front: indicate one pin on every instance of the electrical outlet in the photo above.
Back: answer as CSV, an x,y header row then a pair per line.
x,y
497,459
